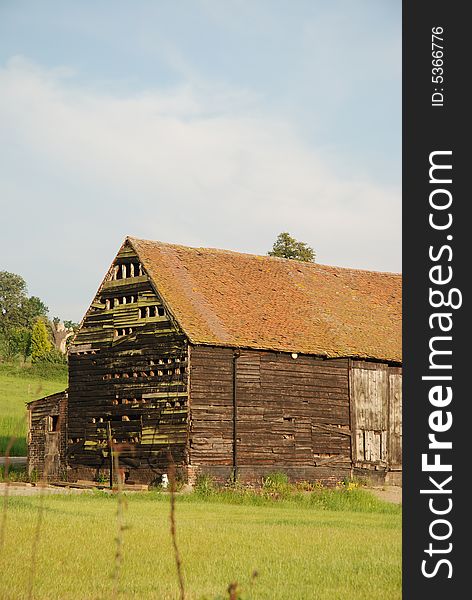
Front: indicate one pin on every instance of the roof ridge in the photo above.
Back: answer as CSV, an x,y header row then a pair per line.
x,y
263,256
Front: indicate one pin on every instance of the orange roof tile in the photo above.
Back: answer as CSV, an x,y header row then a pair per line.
x,y
232,299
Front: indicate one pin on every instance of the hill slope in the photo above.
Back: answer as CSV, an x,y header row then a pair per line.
x,y
18,385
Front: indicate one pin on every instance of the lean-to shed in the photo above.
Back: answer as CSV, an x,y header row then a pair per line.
x,y
235,365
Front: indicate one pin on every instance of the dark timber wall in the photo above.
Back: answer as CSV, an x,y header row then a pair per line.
x,y
127,376
47,437
292,415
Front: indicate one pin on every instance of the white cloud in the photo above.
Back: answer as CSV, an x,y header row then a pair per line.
x,y
197,164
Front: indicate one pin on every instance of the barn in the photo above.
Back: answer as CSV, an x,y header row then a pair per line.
x,y
228,364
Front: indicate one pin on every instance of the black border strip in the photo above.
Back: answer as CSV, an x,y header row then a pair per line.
x,y
440,125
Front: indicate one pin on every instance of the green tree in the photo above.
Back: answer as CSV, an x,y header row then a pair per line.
x,y
17,342
16,308
18,313
40,343
33,308
20,342
12,296
285,246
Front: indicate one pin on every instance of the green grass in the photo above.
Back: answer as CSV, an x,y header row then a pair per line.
x,y
299,548
354,501
18,385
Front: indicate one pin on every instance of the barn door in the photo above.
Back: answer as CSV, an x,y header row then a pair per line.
x,y
51,447
395,419
51,456
376,412
369,397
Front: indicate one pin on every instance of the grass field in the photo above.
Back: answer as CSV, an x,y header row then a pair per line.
x,y
300,550
19,385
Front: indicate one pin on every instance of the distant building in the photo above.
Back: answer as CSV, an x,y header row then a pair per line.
x,y
229,364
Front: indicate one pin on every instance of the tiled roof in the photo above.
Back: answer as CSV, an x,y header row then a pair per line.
x,y
226,298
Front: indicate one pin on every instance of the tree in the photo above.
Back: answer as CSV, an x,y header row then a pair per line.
x,y
16,309
17,342
18,313
20,342
285,246
12,296
40,343
33,308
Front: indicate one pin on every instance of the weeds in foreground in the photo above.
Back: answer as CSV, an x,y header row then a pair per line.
x,y
276,490
16,473
178,560
37,533
35,544
5,494
114,449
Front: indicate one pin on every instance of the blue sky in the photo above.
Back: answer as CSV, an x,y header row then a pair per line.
x,y
209,123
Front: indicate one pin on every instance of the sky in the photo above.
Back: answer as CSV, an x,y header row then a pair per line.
x,y
214,123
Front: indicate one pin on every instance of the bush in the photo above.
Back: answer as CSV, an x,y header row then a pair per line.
x,y
40,344
42,370
54,356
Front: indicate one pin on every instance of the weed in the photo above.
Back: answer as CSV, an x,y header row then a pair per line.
x,y
205,485
276,485
15,473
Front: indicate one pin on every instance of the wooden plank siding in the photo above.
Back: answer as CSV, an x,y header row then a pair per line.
x,y
127,367
292,414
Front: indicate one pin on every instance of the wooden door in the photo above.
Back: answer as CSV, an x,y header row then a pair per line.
x,y
395,419
376,413
51,455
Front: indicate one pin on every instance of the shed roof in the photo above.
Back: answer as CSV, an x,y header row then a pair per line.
x,y
226,298
55,395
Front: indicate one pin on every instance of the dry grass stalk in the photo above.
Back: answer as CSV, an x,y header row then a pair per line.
x,y
178,561
5,494
233,590
120,509
37,531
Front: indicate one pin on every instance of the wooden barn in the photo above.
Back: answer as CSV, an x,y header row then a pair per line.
x,y
229,364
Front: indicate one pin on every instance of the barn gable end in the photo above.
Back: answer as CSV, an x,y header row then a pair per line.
x,y
128,374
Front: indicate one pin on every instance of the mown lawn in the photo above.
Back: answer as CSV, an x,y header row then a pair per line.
x,y
19,385
300,551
